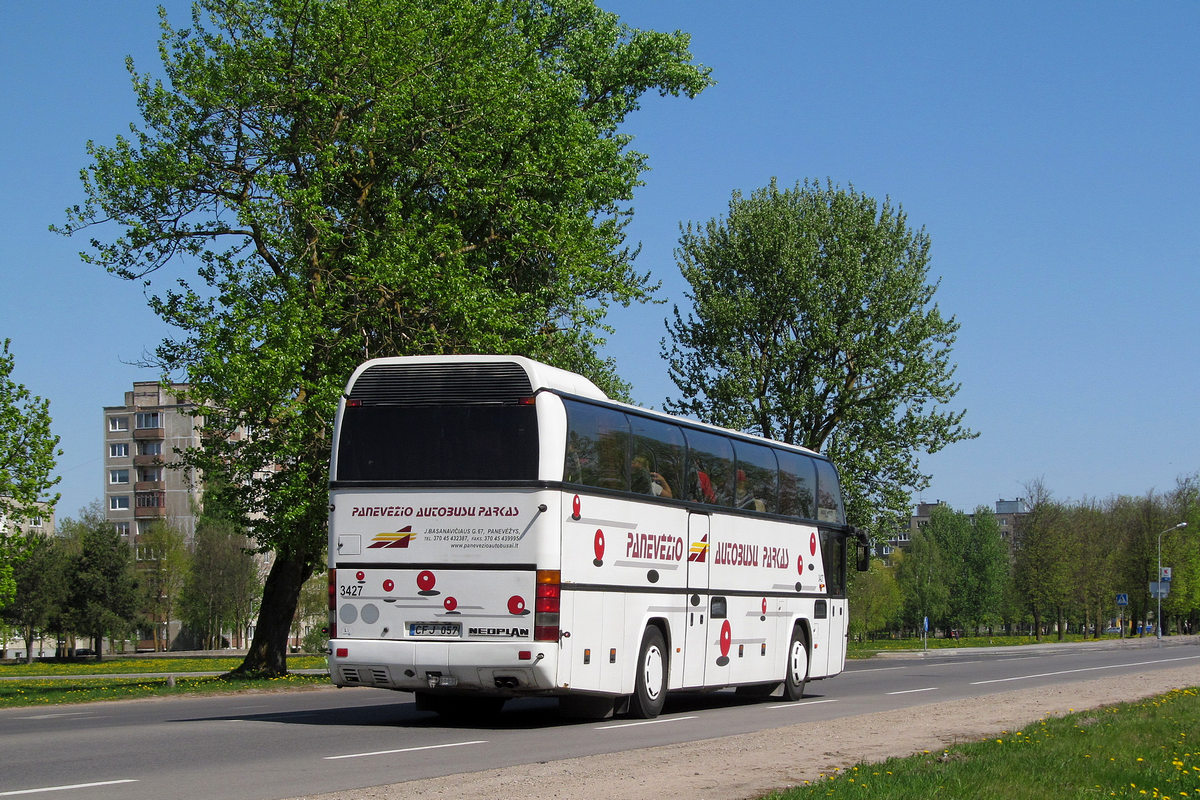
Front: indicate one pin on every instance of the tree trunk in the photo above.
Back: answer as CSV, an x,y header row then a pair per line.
x,y
267,654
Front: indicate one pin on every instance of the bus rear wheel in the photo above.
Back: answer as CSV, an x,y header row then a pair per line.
x,y
650,683
797,666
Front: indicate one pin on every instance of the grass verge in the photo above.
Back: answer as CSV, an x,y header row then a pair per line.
x,y
1147,749
78,682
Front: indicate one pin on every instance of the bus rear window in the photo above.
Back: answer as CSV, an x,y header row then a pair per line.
x,y
438,443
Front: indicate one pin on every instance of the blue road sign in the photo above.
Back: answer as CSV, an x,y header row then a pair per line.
x,y
1122,599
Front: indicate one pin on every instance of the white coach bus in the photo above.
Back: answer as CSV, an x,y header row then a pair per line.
x,y
499,528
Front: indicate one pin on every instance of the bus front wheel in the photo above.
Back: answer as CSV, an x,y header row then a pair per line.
x,y
650,683
797,666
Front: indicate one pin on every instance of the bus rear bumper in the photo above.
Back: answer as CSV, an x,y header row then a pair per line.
x,y
494,668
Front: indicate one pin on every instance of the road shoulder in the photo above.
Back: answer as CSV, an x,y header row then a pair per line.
x,y
751,765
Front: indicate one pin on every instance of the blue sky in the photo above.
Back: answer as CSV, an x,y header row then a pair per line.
x,y
1048,149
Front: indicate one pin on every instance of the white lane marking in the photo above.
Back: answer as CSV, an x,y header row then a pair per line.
x,y
872,669
645,722
1084,669
405,750
67,787
55,716
913,691
801,705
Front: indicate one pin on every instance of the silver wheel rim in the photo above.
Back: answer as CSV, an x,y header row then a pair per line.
x,y
652,672
799,662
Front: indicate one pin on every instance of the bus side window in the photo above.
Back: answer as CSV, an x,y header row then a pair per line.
x,y
797,484
657,464
597,446
710,474
833,556
757,483
829,495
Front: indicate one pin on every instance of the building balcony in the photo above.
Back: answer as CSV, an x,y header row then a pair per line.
x,y
147,461
149,486
149,434
149,512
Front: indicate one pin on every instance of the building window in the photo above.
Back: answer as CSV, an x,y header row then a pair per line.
x,y
118,476
122,528
149,419
150,474
118,502
120,450
149,500
118,423
149,448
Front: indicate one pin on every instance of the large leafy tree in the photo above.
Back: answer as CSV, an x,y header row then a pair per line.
x,y
102,589
987,570
1042,553
353,178
1181,552
921,575
162,563
28,451
222,573
950,532
875,599
41,587
813,321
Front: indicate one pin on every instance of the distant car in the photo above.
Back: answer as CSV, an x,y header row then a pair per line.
x,y
1112,629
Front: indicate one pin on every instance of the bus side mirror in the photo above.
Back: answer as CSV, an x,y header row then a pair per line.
x,y
864,557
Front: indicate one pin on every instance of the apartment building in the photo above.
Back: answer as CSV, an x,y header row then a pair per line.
x,y
140,439
1008,513
41,523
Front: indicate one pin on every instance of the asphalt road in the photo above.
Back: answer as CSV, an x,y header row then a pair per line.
x,y
267,746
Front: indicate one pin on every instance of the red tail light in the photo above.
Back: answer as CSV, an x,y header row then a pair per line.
x,y
333,604
546,605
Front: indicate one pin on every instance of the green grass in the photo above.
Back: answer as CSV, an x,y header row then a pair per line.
x,y
1147,749
114,665
80,685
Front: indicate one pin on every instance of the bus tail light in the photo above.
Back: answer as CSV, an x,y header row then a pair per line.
x,y
332,604
546,605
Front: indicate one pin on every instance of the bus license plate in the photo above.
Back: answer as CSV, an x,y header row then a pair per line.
x,y
421,629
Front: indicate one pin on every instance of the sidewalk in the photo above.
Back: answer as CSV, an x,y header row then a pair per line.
x,y
1130,643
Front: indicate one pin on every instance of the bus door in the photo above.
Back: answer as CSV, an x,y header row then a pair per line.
x,y
833,556
695,642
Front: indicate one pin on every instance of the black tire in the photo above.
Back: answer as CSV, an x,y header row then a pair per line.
x,y
650,683
796,672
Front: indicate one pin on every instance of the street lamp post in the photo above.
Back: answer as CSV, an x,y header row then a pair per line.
x,y
1158,580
